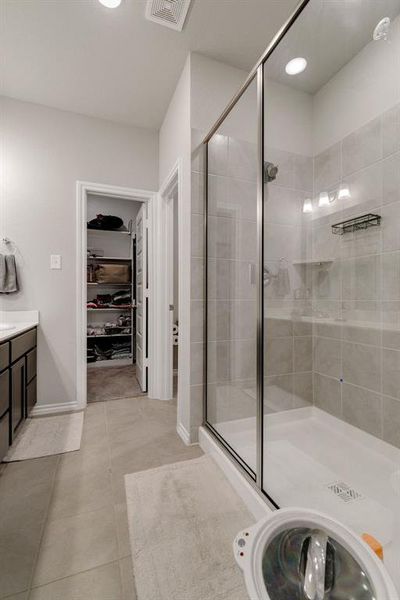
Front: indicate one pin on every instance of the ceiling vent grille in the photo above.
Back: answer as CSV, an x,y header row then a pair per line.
x,y
171,13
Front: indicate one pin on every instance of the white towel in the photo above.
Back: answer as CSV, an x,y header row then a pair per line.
x,y
8,274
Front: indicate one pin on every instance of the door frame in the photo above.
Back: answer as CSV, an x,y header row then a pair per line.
x,y
172,184
83,188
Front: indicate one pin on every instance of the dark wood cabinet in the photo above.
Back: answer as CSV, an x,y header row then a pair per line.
x,y
17,385
17,395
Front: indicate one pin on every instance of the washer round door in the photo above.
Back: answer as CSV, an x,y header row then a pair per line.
x,y
299,554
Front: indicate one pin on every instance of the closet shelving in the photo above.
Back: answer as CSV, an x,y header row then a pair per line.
x,y
94,239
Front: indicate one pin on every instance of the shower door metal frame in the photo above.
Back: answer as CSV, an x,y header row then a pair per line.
x,y
257,73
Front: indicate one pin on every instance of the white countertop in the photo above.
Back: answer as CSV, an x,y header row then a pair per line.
x,y
22,321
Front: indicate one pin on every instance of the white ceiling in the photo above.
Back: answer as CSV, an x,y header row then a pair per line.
x,y
80,56
328,34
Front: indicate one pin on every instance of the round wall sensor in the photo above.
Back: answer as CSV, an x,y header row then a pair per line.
x,y
381,31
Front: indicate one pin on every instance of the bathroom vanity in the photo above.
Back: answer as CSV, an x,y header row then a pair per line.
x,y
18,354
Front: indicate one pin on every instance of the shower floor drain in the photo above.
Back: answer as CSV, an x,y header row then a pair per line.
x,y
344,491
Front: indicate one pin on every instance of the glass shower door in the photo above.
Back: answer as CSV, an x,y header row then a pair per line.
x,y
332,268
232,280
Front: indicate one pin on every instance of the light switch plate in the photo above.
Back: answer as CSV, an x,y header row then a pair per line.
x,y
55,261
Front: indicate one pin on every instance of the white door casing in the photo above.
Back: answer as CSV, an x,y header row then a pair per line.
x,y
142,297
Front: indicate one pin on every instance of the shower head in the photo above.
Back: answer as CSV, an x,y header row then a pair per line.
x,y
270,172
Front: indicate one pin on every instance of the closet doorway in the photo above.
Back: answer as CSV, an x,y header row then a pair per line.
x,y
116,253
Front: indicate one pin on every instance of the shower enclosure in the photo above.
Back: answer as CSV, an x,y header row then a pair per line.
x,y
302,284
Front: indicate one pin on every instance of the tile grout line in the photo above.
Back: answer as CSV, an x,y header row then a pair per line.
x,y
45,522
114,503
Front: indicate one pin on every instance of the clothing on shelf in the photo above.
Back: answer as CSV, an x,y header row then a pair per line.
x,y
120,299
8,274
107,223
106,349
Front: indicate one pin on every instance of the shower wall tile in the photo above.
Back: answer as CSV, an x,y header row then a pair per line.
x,y
327,168
218,155
301,328
196,364
278,392
278,328
391,338
241,199
282,205
391,421
242,160
217,197
362,408
302,389
391,372
303,173
197,192
390,226
362,147
197,235
327,394
390,264
327,356
303,354
362,365
247,241
278,356
391,130
366,188
361,278
285,162
362,335
197,278
196,320
391,179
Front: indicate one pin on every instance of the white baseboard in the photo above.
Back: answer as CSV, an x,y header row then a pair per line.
x,y
54,409
183,434
256,504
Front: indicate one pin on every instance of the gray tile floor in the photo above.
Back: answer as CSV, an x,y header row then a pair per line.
x,y
63,519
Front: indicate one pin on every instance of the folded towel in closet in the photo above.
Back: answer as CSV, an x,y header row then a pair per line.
x,y
8,274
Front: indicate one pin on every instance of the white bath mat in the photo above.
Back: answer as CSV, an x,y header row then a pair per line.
x,y
182,521
46,436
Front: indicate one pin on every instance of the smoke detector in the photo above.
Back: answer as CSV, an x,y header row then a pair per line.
x,y
171,13
381,31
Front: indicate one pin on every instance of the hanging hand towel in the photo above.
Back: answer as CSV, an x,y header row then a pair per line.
x,y
8,274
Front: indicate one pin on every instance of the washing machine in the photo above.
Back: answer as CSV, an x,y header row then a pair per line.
x,y
300,554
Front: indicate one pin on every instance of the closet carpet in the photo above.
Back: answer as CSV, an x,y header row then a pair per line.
x,y
110,383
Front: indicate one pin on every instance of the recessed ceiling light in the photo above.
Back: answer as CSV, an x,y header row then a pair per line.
x,y
296,66
110,3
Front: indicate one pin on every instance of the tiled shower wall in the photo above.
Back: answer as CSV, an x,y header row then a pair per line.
x,y
356,358
346,357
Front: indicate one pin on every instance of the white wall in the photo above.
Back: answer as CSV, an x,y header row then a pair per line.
x,y
363,89
174,144
288,114
45,151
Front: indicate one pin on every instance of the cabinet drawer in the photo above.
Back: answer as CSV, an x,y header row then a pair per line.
x,y
4,435
4,392
17,395
4,355
31,397
30,365
21,344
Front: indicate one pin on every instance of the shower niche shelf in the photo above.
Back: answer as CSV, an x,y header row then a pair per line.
x,y
313,261
356,224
